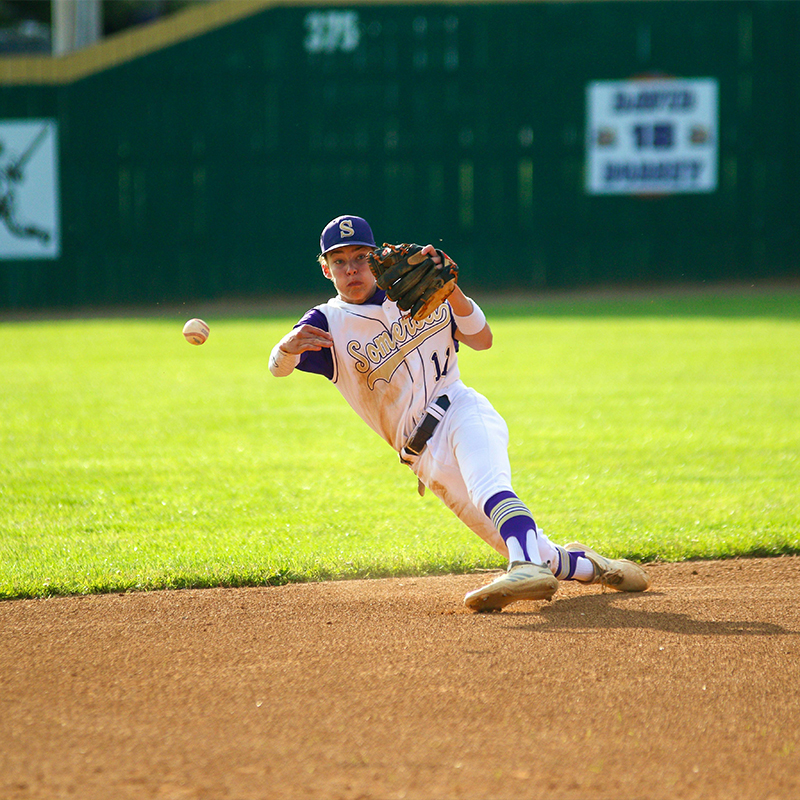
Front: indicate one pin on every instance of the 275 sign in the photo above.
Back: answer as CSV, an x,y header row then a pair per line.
x,y
652,136
332,31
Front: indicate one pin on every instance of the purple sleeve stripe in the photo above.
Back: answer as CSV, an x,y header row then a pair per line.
x,y
320,362
314,317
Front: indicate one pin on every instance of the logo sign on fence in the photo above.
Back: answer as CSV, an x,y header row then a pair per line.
x,y
652,136
29,207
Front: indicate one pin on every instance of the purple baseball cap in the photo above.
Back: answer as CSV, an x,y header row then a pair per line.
x,y
343,231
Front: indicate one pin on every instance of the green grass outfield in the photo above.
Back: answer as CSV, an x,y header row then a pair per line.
x,y
652,426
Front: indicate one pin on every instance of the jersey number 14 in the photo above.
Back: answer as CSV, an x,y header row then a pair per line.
x,y
441,371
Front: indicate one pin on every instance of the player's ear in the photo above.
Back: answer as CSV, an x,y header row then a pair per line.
x,y
326,270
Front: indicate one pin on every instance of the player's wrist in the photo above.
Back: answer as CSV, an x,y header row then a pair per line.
x,y
282,363
471,323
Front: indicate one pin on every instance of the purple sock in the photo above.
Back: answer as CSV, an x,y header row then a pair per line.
x,y
513,519
567,563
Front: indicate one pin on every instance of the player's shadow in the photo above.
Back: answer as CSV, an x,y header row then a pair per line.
x,y
606,611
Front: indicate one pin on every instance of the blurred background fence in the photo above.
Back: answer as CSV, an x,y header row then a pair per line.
x,y
200,156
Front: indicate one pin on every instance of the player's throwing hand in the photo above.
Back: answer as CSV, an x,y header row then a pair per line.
x,y
304,338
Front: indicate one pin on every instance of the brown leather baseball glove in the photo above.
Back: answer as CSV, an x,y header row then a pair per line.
x,y
413,280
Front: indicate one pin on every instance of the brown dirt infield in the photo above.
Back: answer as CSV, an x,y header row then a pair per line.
x,y
391,689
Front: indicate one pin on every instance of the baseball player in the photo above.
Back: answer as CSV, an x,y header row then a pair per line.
x,y
401,376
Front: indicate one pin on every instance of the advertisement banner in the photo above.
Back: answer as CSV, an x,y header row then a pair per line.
x,y
29,199
652,136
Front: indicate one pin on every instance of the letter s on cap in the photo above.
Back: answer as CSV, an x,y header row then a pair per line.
x,y
346,228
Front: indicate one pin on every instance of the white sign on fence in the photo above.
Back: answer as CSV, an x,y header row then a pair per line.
x,y
652,136
29,202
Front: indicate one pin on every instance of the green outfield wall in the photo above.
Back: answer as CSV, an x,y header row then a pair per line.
x,y
193,161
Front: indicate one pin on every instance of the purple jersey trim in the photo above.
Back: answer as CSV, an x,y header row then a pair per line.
x,y
320,362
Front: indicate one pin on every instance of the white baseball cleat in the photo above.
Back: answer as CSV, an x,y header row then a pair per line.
x,y
523,581
619,574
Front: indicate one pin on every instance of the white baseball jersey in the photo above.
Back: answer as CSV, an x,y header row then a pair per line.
x,y
389,368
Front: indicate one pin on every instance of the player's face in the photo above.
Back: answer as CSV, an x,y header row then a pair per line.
x,y
348,268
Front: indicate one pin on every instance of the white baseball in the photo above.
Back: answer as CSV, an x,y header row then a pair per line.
x,y
195,331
